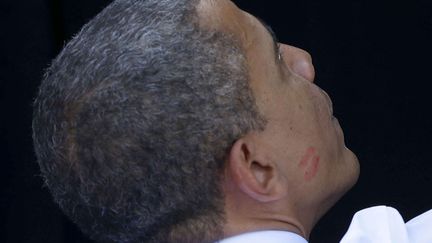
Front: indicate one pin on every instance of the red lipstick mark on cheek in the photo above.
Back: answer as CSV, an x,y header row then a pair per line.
x,y
311,172
307,157
310,163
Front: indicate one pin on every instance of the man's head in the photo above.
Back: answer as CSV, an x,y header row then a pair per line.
x,y
159,116
297,167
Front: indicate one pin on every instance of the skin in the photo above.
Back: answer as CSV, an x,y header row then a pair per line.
x,y
289,175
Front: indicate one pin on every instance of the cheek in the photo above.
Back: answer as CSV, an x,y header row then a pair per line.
x,y
309,164
311,107
321,108
324,128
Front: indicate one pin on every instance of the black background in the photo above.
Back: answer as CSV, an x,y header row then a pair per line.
x,y
371,56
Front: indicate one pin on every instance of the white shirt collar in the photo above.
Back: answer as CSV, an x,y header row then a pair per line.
x,y
385,224
270,236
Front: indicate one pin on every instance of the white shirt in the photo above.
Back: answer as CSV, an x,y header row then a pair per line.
x,y
383,224
270,236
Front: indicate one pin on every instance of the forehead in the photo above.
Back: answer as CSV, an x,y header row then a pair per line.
x,y
225,16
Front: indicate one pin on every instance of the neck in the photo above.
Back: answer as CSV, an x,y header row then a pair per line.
x,y
258,222
244,215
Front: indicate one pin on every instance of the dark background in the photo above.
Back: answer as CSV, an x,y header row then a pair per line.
x,y
372,56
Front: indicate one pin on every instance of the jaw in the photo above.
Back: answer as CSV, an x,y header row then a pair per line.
x,y
342,180
329,189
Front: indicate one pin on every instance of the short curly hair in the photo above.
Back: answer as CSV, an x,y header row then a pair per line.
x,y
133,121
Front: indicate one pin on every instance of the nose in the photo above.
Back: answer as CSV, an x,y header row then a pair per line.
x,y
299,61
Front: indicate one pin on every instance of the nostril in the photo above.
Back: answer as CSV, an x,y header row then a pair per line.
x,y
305,69
299,61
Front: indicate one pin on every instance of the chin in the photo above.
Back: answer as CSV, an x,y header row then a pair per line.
x,y
353,170
348,176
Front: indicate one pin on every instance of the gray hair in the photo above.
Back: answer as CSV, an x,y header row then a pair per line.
x,y
133,121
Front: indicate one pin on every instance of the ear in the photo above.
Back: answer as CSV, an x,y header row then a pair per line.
x,y
252,173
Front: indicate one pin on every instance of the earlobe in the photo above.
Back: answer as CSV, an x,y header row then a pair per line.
x,y
252,173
